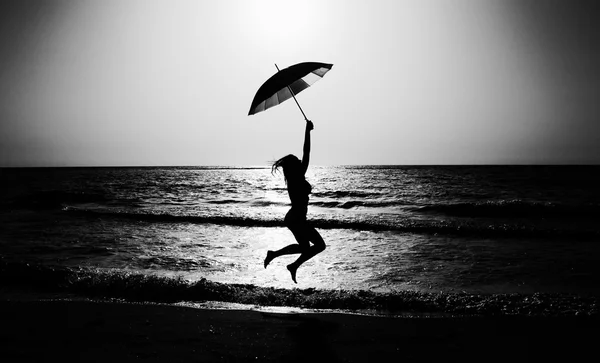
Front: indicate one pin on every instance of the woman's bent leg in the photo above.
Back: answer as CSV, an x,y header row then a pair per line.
x,y
308,253
287,250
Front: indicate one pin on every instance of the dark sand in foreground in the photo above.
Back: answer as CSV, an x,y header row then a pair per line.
x,y
69,331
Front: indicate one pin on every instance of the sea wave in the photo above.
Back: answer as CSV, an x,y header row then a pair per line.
x,y
405,225
349,204
345,200
135,286
512,208
347,194
488,208
52,199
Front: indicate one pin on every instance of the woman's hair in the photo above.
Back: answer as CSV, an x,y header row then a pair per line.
x,y
290,164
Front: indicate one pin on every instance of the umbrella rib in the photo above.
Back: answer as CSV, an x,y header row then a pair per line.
x,y
305,74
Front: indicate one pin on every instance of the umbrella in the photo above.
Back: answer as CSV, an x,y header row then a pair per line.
x,y
286,84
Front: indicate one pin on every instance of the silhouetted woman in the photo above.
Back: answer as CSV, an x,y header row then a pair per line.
x,y
298,190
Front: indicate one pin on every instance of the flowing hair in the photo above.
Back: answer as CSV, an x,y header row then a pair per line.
x,y
287,164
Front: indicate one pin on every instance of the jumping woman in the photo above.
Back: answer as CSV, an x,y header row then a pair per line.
x,y
298,188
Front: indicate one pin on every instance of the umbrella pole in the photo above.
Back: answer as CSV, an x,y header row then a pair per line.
x,y
294,96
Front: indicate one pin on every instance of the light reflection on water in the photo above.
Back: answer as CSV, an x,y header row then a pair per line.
x,y
380,261
492,229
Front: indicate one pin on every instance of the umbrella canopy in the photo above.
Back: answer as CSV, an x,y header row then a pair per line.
x,y
287,83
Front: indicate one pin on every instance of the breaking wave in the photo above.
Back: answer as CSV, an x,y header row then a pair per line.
x,y
512,208
404,225
133,286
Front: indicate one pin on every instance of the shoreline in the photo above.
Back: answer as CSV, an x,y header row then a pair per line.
x,y
100,331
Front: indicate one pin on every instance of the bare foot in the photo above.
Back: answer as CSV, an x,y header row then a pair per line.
x,y
292,268
269,258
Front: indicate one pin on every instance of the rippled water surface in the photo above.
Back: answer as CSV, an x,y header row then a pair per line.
x,y
480,229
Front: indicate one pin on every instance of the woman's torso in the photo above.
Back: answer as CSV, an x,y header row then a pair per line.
x,y
298,191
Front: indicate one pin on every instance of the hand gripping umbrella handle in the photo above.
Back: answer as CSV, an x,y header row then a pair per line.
x,y
293,95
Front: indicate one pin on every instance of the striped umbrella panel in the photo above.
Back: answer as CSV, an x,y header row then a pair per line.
x,y
294,79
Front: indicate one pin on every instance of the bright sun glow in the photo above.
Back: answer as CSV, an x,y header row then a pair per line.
x,y
277,22
155,82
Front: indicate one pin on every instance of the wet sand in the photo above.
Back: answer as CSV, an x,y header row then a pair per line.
x,y
69,331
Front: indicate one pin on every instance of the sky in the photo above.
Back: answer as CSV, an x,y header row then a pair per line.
x,y
170,82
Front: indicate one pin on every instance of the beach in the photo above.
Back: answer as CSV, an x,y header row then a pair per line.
x,y
443,207
468,264
102,331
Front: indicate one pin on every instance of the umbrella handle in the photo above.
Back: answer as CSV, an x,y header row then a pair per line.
x,y
294,96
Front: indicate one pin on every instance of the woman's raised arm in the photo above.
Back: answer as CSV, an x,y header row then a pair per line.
x,y
306,149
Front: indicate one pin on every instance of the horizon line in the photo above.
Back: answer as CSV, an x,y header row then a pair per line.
x,y
267,166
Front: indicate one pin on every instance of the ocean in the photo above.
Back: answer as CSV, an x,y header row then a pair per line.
x,y
441,239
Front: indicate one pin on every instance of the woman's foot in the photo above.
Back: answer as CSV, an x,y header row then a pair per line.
x,y
292,268
269,258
